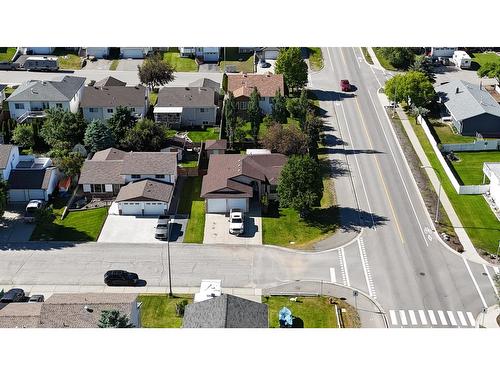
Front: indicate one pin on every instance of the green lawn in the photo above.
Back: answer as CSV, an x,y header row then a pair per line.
x,y
475,215
189,160
445,134
243,62
483,58
158,310
386,64
180,64
247,128
470,165
315,58
204,135
114,64
68,59
315,312
83,225
367,55
7,53
192,204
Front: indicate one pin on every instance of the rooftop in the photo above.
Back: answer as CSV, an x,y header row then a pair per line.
x,y
266,84
186,97
146,190
62,89
113,96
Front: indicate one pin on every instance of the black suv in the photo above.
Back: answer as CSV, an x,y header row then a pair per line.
x,y
120,278
13,295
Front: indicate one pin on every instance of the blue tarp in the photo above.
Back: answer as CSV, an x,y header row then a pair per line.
x,y
285,317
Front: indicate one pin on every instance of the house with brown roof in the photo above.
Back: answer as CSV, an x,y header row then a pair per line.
x,y
186,106
233,179
142,182
215,147
242,86
99,102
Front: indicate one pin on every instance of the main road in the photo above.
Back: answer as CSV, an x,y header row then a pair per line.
x,y
397,258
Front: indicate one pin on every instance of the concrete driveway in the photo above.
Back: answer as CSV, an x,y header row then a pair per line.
x,y
129,64
13,228
137,229
451,73
217,230
265,70
100,64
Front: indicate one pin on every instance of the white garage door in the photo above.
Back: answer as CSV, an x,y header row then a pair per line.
x,y
131,208
240,203
133,53
270,55
216,205
154,208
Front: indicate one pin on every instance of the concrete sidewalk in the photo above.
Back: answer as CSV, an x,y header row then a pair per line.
x,y
376,63
488,319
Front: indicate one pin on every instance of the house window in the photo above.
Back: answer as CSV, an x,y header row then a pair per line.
x,y
110,110
92,110
97,188
202,110
19,105
159,176
242,105
58,105
136,176
205,122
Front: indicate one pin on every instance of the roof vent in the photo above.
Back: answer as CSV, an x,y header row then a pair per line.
x,y
88,309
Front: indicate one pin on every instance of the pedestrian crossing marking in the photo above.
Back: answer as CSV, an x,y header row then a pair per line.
x,y
423,319
461,317
442,318
403,317
432,317
394,319
471,319
333,278
452,318
413,318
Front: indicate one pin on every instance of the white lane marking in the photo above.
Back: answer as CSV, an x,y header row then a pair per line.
x,y
366,268
442,318
453,321
461,317
344,266
333,277
432,317
491,280
358,58
403,317
475,282
496,269
423,319
413,317
394,318
471,318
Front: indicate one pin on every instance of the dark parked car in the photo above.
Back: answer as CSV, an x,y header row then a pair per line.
x,y
36,298
120,278
13,295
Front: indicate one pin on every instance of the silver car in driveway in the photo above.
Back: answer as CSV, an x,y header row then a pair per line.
x,y
236,221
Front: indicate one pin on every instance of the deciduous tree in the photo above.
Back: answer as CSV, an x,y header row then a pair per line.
x,y
70,164
155,72
145,135
312,128
287,140
23,135
490,70
293,67
413,87
399,57
63,129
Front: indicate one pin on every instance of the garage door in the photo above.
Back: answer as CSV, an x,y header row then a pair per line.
x,y
133,54
270,55
24,195
216,205
131,208
240,203
154,208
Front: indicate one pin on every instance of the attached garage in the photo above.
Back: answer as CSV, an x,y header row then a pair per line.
x,y
142,208
145,198
221,205
270,54
132,53
25,195
27,184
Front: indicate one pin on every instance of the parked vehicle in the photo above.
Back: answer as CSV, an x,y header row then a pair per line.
x,y
41,63
36,298
162,227
236,221
33,206
13,295
120,278
345,85
7,65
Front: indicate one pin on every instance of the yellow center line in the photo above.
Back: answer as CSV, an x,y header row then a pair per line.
x,y
380,172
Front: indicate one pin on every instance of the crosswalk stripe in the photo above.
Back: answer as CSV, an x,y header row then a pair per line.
x,y
394,318
423,319
442,318
413,318
452,318
403,317
332,275
471,319
432,317
461,316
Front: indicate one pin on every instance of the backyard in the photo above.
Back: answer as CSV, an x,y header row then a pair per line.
x,y
444,134
470,165
202,135
193,205
242,62
82,225
158,310
180,64
7,53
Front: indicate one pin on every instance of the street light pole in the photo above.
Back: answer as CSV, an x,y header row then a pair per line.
x,y
436,219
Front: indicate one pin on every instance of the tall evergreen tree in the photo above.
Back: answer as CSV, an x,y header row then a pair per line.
x,y
279,111
121,121
113,319
254,114
312,127
98,136
230,115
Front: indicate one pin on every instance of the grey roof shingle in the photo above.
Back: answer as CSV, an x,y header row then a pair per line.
x,y
109,154
113,96
101,172
218,144
186,97
5,151
62,89
226,311
146,190
149,163
465,100
30,178
20,315
109,81
205,82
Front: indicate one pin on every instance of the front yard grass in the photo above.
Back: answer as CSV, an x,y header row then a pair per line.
x,y
485,57
313,312
243,62
470,165
68,59
383,61
158,310
204,135
82,225
315,58
476,216
180,64
193,205
7,53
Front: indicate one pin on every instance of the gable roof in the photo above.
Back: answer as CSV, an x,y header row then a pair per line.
x,y
220,180
266,84
101,172
109,154
205,82
146,190
109,81
149,163
218,144
30,178
113,96
62,89
5,151
465,100
188,97
226,311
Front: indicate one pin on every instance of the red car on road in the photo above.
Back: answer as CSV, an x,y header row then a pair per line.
x,y
345,85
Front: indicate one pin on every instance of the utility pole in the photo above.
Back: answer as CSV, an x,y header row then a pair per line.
x,y
169,224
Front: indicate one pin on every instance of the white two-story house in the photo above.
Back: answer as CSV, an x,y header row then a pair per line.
x,y
206,54
32,98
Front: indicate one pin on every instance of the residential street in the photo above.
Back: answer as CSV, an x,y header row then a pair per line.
x,y
397,258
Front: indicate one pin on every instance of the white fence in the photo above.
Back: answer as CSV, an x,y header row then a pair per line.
x,y
460,189
477,145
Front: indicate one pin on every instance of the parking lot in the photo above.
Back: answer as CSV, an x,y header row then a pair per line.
x,y
13,228
217,230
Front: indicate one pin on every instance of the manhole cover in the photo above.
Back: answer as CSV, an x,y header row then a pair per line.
x,y
485,274
422,273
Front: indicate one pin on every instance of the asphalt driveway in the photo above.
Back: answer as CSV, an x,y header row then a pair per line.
x,y
217,230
